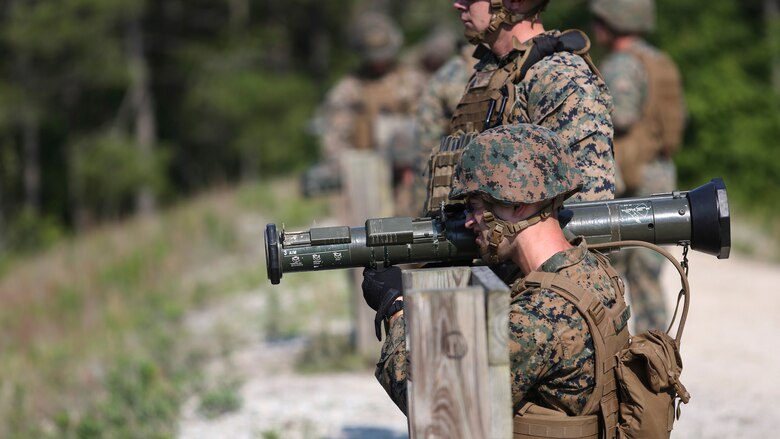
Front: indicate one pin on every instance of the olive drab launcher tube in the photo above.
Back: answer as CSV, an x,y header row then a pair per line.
x,y
699,218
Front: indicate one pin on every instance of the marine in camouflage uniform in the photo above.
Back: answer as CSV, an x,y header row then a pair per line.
x,y
373,107
529,75
552,357
644,141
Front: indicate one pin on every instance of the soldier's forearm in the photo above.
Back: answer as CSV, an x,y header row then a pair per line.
x,y
391,370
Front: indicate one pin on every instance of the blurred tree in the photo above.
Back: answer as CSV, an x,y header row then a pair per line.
x,y
772,14
142,99
69,69
2,219
209,91
108,168
255,118
8,162
726,63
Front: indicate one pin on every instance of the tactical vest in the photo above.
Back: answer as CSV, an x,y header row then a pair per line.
x,y
489,99
638,388
378,97
659,131
609,331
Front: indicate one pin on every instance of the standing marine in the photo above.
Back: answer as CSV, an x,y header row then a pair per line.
x,y
649,118
372,108
527,74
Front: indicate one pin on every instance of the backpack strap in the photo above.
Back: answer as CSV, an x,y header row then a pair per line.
x,y
572,40
685,290
609,333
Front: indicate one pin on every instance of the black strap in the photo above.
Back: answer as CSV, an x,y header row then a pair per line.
x,y
398,305
387,308
480,51
546,45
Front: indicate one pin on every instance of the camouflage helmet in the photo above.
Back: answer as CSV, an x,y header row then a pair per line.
x,y
626,16
375,37
513,164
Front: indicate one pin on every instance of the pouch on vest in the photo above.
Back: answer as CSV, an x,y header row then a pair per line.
x,y
441,168
648,376
380,100
533,421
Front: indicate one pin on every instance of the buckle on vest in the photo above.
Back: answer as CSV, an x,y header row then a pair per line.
x,y
597,311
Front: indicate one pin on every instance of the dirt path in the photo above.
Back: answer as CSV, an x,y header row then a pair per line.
x,y
731,356
730,350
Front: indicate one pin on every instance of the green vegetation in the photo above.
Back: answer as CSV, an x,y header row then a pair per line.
x,y
96,340
220,400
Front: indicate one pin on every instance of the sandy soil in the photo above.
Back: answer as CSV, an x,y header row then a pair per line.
x,y
730,351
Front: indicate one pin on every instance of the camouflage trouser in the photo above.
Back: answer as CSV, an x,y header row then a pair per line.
x,y
641,268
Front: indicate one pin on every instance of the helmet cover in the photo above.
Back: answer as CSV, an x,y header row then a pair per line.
x,y
518,163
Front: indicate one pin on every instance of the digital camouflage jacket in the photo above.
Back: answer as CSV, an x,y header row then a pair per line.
x,y
551,352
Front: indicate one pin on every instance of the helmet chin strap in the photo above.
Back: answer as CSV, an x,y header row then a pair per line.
x,y
500,15
499,229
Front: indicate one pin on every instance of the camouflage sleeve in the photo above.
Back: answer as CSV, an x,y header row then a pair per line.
x,y
339,118
562,94
391,370
531,344
547,353
627,81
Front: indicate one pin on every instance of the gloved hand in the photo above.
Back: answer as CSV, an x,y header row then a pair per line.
x,y
380,289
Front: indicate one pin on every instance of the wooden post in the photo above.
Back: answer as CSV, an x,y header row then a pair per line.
x,y
368,193
497,326
457,332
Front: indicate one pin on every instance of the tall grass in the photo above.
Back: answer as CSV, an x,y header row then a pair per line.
x,y
94,342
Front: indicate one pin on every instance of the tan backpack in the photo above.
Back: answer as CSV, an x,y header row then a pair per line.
x,y
659,132
645,373
648,374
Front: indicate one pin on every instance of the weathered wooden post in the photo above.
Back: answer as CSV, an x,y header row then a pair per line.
x,y
457,324
367,193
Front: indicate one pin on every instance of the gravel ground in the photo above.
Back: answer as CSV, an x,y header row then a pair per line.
x,y
730,350
731,364
277,403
